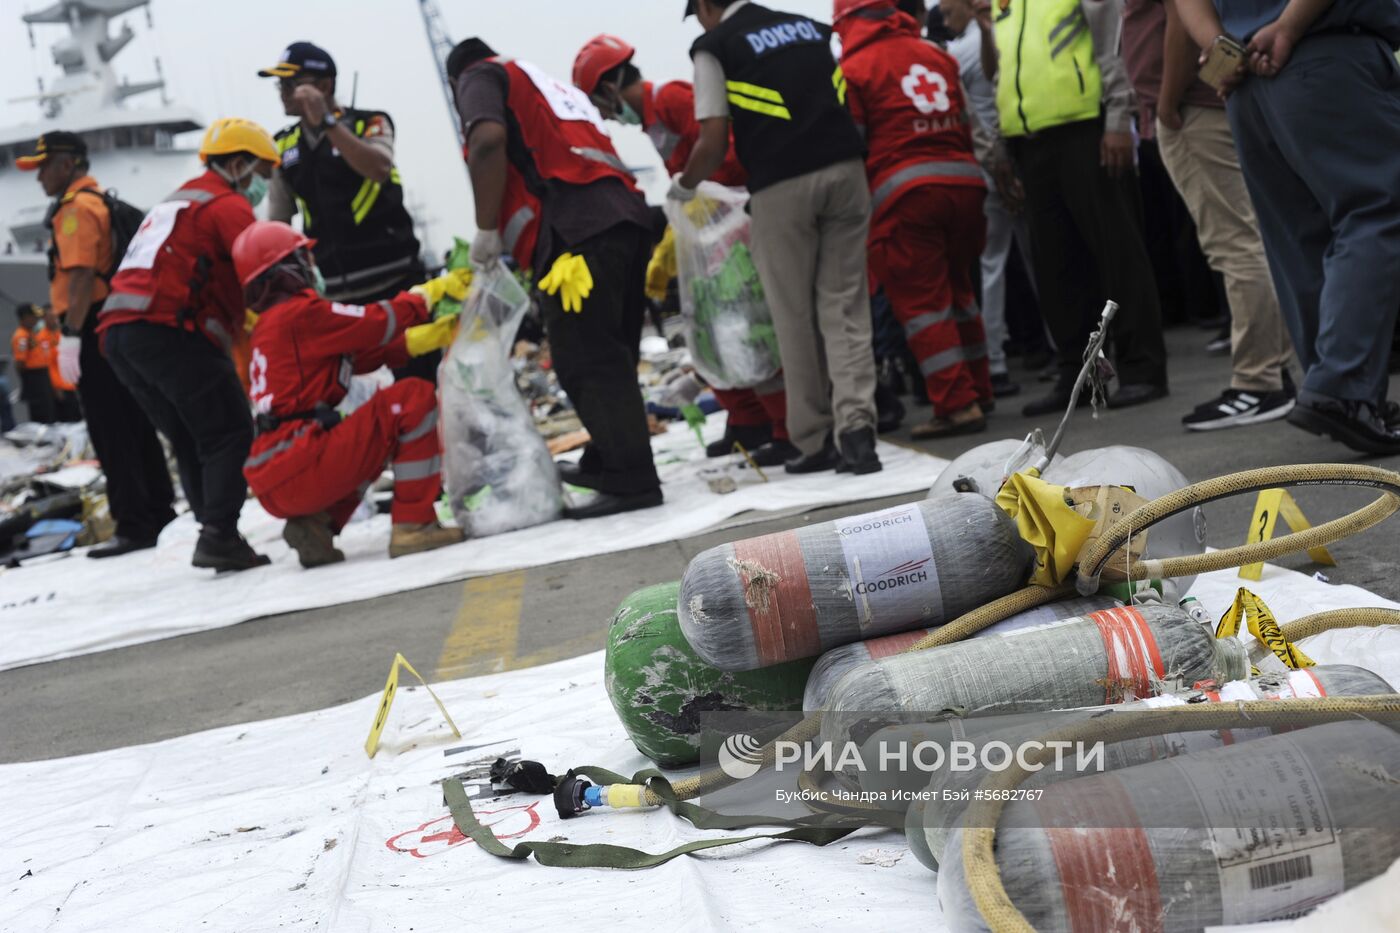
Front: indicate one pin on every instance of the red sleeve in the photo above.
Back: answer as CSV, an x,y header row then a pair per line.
x,y
675,109
370,331
229,216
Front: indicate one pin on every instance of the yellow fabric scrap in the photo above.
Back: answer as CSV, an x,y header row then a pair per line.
x,y
1046,522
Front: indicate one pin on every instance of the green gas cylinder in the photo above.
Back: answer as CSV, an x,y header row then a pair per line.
x,y
659,686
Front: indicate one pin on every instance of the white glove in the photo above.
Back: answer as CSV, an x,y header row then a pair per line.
x,y
679,192
68,365
486,248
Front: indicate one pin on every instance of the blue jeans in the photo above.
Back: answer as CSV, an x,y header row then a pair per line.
x,y
1318,148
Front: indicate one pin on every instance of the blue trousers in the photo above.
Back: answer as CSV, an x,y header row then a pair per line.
x,y
1320,148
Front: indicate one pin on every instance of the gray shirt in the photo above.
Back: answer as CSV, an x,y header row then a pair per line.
x,y
711,94
981,92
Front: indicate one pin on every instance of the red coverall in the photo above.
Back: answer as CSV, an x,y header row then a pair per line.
x,y
927,228
668,117
304,351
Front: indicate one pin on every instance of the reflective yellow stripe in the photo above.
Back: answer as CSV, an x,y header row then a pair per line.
x,y
758,106
753,90
362,210
394,176
361,194
290,140
838,81
305,215
359,127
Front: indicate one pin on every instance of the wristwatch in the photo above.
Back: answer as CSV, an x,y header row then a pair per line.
x,y
329,122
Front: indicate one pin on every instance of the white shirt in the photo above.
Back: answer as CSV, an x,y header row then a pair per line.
x,y
711,94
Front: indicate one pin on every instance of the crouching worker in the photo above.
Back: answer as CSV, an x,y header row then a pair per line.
x,y
309,465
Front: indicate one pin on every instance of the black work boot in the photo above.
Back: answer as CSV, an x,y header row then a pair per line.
x,y
752,436
858,452
824,459
221,550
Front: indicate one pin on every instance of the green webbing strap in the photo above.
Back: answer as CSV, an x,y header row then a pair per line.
x,y
817,830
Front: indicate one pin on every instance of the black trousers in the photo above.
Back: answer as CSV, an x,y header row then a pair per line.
x,y
37,392
139,494
190,391
1086,236
596,351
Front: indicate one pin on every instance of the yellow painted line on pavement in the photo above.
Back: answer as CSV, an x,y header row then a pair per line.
x,y
483,636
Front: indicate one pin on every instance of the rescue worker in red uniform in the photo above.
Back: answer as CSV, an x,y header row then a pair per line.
x,y
550,189
168,324
603,69
927,228
308,464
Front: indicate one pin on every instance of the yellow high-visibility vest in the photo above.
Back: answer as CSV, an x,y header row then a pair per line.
x,y
1047,73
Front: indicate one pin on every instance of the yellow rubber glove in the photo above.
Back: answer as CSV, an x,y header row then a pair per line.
x,y
701,209
453,285
570,279
250,320
662,268
422,339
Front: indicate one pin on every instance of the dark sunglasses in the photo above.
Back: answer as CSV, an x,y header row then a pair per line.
x,y
291,84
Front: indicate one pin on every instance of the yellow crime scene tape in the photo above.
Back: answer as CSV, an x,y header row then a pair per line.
x,y
1250,609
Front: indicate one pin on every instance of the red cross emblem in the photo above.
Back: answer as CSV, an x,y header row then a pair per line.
x,y
439,835
927,89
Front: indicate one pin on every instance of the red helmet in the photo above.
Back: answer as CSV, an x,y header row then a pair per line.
x,y
598,56
844,8
263,244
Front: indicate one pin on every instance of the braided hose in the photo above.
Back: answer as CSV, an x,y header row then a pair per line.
x,y
962,627
1357,617
979,840
1096,562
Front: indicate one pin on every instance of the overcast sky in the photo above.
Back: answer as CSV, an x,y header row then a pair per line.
x,y
211,53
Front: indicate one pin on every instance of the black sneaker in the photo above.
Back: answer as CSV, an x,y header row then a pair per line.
x,y
1236,407
218,551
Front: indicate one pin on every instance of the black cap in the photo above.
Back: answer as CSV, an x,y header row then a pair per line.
x,y
301,58
55,143
689,9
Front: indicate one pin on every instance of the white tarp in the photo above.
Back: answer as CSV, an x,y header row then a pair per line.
x,y
285,824
69,605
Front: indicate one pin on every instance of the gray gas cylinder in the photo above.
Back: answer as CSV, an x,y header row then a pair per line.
x,y
1151,477
941,805
794,594
830,667
1232,835
978,470
1110,656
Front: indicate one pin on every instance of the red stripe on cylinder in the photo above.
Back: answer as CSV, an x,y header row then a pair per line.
x,y
779,598
1131,653
1107,876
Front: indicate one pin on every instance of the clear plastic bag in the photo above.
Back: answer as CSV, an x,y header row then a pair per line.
x,y
497,471
728,327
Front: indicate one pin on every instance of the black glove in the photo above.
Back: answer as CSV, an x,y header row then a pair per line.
x,y
527,776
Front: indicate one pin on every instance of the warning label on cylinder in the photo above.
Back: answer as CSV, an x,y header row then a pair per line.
x,y
1271,830
889,563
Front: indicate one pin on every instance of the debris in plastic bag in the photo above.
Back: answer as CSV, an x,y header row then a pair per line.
x,y
729,329
497,471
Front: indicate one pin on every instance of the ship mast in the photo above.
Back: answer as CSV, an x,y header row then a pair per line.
x,y
88,82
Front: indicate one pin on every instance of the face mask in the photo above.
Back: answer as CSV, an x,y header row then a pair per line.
x,y
626,115
318,281
256,190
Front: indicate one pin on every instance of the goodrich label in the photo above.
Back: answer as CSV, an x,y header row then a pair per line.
x,y
889,566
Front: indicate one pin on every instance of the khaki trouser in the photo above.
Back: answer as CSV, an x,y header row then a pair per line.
x,y
1202,162
809,240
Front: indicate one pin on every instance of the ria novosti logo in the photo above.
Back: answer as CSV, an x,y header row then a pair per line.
x,y
741,756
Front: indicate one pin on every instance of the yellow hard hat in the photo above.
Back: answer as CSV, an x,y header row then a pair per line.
x,y
235,134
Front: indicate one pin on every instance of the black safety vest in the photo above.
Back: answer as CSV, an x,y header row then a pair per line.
x,y
787,96
363,233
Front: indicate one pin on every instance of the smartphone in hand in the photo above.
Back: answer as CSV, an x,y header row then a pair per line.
x,y
1224,59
